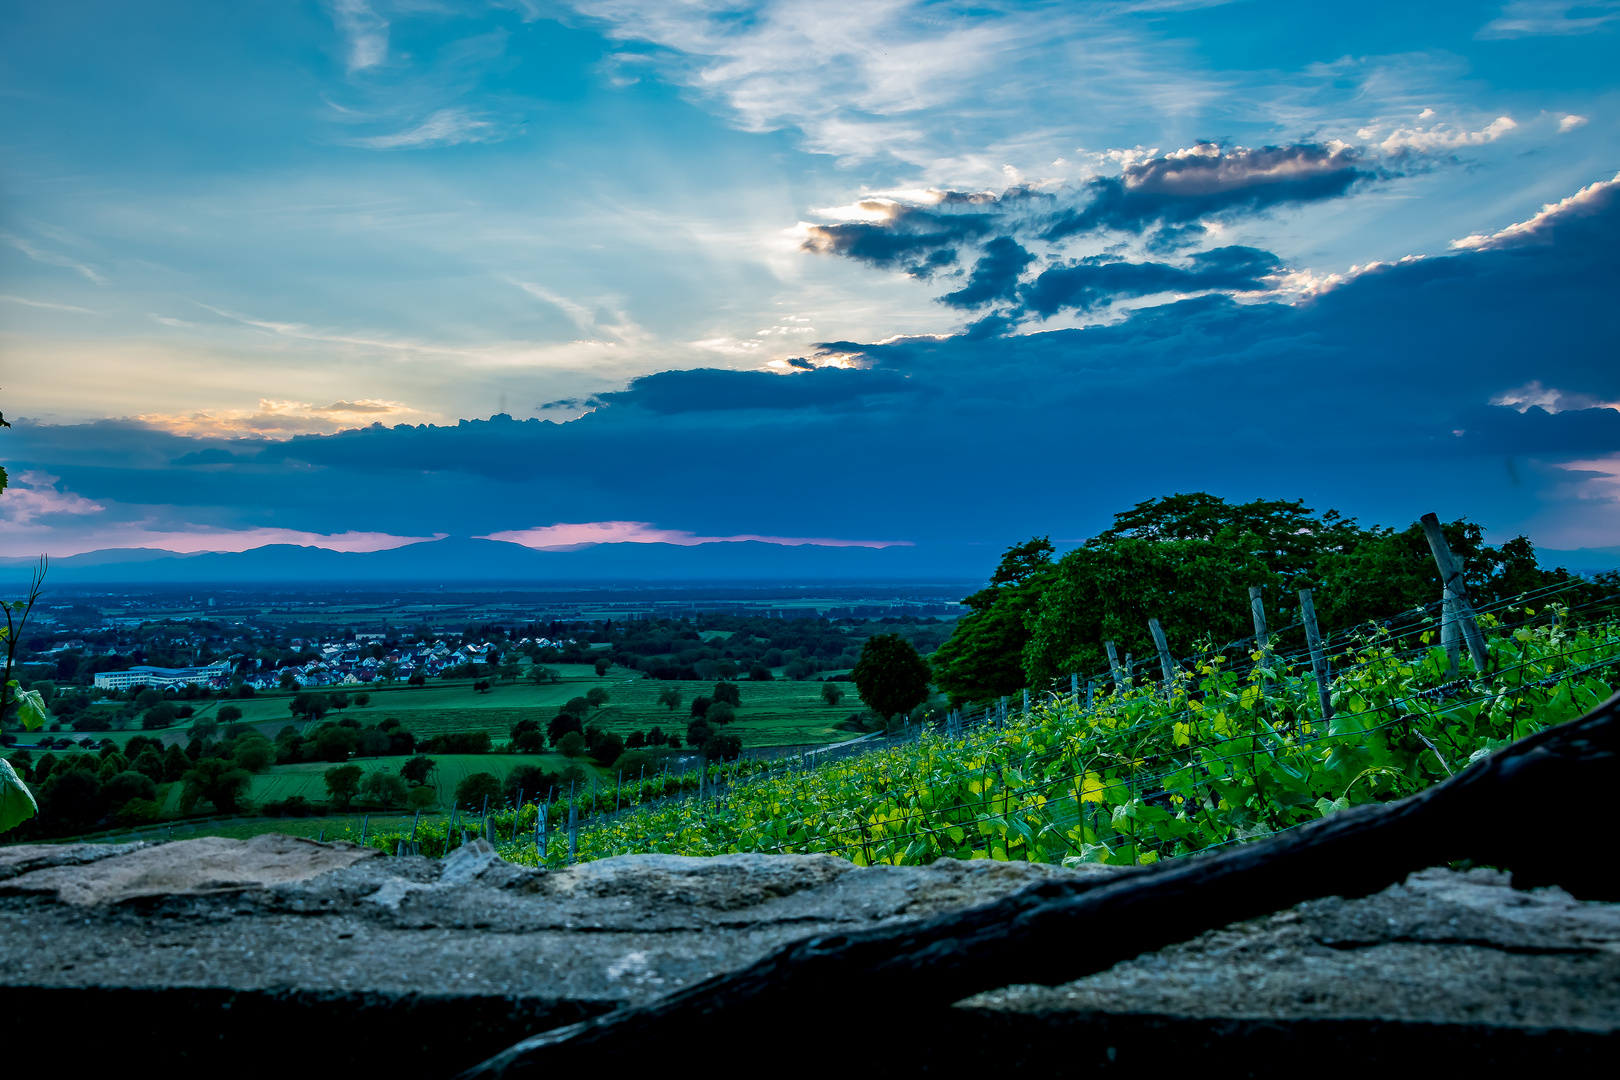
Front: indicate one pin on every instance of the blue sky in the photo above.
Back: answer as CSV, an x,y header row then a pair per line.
x,y
867,272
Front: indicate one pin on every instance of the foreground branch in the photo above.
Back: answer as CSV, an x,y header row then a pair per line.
x,y
1495,812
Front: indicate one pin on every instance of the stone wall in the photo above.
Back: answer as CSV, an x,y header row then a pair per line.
x,y
276,953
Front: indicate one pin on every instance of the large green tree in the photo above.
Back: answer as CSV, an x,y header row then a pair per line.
x,y
890,677
984,658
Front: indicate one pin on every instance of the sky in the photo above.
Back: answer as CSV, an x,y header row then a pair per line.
x,y
356,273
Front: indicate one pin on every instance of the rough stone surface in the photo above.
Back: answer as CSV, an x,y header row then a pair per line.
x,y
1443,948
441,963
210,864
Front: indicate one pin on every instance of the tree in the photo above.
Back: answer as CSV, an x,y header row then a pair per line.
x,y
562,724
602,666
371,742
530,781
338,700
416,770
984,658
160,715
832,693
149,763
759,673
538,674
656,736
728,692
597,696
572,744
124,786
71,797
700,705
720,713
219,781
310,705
342,784
481,686
383,789
288,679
417,679
890,677
333,743
361,700
578,706
254,753
670,698
698,732
421,797
722,747
205,728
175,763
474,789
228,714
604,746
527,738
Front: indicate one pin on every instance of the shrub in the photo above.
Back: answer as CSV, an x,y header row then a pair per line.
x,y
721,747
160,715
127,785
342,784
421,797
458,742
384,789
529,780
293,806
476,788
632,762
136,812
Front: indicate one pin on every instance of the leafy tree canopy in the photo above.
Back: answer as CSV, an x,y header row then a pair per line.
x,y
890,677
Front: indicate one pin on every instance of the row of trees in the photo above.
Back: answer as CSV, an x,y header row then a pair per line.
x,y
1188,560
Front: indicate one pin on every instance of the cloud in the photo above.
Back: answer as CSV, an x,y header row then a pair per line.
x,y
1167,202
46,304
569,536
32,494
446,127
51,258
1592,199
1532,395
1570,123
278,417
1088,284
1342,397
1529,18
1186,188
366,31
1445,137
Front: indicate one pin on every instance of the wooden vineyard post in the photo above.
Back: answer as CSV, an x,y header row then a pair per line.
x,y
1026,702
1113,665
1450,632
1091,692
1457,590
364,821
540,833
1074,689
517,816
417,820
1319,664
1167,665
1262,640
573,831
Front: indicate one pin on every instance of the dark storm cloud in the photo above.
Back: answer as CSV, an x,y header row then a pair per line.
x,y
1180,191
1372,397
1166,200
1091,283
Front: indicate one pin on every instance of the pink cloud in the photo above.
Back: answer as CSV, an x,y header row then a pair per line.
x,y
572,535
59,543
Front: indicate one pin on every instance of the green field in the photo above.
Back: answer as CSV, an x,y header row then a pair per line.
x,y
780,713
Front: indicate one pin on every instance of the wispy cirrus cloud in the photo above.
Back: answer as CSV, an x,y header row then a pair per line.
x,y
446,127
52,258
580,534
1562,18
46,304
365,31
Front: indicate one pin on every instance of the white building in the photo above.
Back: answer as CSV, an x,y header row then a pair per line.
x,y
143,675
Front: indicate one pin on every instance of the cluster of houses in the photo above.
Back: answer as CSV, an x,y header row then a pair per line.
x,y
346,663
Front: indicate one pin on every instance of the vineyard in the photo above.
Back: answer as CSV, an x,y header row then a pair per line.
x,y
1233,746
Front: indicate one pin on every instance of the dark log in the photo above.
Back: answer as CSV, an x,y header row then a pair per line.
x,y
1537,808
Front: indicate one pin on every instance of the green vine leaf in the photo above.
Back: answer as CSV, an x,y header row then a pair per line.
x,y
16,801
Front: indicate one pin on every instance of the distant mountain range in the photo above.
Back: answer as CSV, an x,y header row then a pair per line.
x,y
466,560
